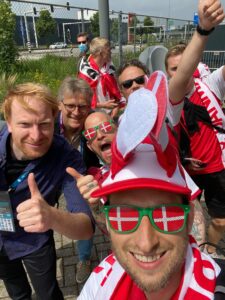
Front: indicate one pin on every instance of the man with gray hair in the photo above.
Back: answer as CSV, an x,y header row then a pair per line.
x,y
74,98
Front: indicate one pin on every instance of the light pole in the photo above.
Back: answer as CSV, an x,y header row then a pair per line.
x,y
27,33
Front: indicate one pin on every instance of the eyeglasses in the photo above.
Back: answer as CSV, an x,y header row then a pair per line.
x,y
72,107
128,83
164,218
105,127
82,42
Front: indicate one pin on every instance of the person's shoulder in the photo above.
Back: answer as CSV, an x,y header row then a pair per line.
x,y
100,285
220,281
62,147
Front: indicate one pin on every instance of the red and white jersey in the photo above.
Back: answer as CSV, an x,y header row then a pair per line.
x,y
109,281
205,144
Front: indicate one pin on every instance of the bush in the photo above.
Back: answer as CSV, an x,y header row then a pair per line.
x,y
8,49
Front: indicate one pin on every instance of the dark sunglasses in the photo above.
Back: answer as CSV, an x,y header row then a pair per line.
x,y
82,42
128,83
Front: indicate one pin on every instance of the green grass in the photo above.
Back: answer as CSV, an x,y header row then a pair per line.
x,y
49,70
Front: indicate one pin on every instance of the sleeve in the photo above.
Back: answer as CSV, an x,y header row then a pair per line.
x,y
90,288
74,200
174,112
216,83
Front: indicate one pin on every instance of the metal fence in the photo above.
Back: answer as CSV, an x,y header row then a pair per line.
x,y
129,32
214,59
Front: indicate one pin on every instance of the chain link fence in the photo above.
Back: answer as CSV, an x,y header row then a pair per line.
x,y
129,33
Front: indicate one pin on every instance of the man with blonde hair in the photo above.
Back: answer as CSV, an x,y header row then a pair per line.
x,y
32,176
99,72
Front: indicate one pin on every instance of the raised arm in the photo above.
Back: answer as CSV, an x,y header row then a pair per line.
x,y
210,15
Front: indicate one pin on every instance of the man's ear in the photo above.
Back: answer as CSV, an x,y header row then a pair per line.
x,y
8,123
191,216
60,105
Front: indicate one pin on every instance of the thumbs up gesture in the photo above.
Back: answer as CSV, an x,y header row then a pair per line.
x,y
86,185
34,214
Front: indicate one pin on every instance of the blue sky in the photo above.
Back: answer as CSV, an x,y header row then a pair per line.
x,y
183,9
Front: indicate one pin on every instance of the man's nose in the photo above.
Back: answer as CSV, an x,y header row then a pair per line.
x,y
100,134
36,133
147,237
76,111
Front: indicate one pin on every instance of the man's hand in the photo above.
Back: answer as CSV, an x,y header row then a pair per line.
x,y
210,13
109,104
195,164
86,185
34,214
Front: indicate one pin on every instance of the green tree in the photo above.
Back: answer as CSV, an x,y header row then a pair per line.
x,y
8,48
95,24
45,24
148,22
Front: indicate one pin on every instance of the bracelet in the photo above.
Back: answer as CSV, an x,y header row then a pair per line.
x,y
203,31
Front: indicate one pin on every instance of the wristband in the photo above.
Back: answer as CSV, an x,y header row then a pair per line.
x,y
203,31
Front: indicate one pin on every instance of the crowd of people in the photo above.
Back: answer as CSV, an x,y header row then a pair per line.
x,y
129,152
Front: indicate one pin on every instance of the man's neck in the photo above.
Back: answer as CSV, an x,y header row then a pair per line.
x,y
99,62
170,289
16,153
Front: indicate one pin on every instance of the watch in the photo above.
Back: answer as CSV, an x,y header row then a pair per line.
x,y
203,31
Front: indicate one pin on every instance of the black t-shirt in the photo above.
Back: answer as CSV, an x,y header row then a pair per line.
x,y
14,167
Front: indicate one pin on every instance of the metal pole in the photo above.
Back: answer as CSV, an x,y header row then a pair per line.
x,y
120,38
103,7
35,32
27,33
64,35
82,20
135,33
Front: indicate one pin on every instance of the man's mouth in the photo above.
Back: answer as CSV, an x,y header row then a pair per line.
x,y
147,259
105,147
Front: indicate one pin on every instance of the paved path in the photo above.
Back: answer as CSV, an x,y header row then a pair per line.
x,y
66,263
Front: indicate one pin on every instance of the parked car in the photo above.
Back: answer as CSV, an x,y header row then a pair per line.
x,y
58,45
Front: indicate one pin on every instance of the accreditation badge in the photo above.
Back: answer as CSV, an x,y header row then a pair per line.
x,y
6,215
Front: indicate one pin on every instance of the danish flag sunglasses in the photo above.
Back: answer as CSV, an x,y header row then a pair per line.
x,y
166,218
105,127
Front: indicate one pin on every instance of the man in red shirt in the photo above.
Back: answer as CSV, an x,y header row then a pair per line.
x,y
202,139
149,214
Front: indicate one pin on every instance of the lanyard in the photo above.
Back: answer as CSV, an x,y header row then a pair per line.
x,y
20,179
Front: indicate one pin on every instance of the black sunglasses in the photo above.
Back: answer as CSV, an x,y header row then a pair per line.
x,y
82,42
128,83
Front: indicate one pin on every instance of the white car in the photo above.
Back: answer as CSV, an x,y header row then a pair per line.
x,y
58,45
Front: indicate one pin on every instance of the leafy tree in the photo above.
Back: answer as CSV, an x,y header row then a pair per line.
x,y
45,24
95,24
8,49
148,22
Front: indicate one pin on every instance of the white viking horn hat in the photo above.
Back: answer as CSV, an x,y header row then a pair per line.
x,y
142,156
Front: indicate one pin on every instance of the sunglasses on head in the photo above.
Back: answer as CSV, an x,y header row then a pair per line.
x,y
82,42
91,133
128,83
166,218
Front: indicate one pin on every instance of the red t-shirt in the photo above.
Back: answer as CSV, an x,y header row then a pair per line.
x,y
204,144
